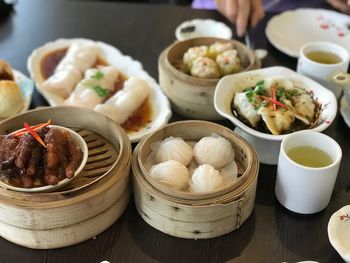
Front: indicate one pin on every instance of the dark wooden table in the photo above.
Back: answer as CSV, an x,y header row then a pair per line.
x,y
271,234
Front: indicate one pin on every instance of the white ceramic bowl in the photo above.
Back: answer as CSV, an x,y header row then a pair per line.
x,y
202,28
267,145
49,188
339,232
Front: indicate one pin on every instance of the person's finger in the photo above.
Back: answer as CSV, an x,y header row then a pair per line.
x,y
257,12
243,10
231,10
340,5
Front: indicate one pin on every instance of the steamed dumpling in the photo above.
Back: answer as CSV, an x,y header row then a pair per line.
x,y
246,109
218,48
173,149
278,120
305,106
194,53
205,68
205,179
216,151
171,173
228,62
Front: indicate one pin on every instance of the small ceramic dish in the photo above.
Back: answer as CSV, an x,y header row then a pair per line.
x,y
267,145
202,28
49,188
345,110
129,67
339,232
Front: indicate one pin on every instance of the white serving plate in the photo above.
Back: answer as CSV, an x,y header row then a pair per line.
x,y
203,28
290,30
267,145
339,232
125,64
49,188
26,86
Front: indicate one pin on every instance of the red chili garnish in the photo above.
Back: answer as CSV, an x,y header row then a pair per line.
x,y
274,102
35,128
274,90
35,135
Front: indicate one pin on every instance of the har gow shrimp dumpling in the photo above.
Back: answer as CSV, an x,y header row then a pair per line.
x,y
171,173
205,178
214,150
173,149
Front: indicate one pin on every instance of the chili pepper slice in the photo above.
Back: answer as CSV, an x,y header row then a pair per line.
x,y
35,128
35,135
275,102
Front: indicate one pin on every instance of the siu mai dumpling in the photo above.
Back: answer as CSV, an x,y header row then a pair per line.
x,y
194,53
205,68
218,48
94,88
228,62
246,109
278,120
125,102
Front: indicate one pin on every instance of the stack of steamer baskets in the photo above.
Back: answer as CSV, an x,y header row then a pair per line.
x,y
193,215
85,207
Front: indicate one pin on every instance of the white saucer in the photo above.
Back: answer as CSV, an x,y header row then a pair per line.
x,y
339,232
345,110
202,28
290,30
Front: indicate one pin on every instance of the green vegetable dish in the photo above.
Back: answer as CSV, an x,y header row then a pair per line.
x,y
276,106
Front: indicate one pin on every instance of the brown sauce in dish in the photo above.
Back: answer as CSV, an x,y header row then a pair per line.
x,y
139,119
50,62
136,121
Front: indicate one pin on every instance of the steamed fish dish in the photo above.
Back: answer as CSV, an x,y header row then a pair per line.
x,y
80,77
211,62
276,106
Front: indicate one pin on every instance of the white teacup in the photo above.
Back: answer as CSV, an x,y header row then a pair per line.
x,y
303,189
321,72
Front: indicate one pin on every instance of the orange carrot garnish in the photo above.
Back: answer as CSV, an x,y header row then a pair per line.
x,y
35,128
34,134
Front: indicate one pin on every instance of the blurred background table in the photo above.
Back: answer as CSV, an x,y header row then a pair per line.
x,y
271,234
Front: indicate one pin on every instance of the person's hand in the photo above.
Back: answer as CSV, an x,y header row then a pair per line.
x,y
341,5
239,12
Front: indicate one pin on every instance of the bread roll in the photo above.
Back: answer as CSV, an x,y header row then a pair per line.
x,y
5,71
11,100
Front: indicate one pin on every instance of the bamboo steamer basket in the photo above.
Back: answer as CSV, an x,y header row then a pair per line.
x,y
191,96
86,206
197,216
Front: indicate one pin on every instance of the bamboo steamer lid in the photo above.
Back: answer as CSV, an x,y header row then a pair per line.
x,y
195,216
90,203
